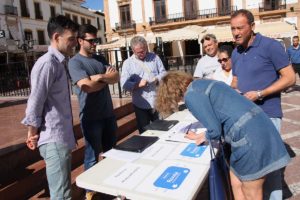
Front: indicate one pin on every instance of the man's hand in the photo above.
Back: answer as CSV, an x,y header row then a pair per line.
x,y
251,95
109,70
199,138
143,83
97,77
32,138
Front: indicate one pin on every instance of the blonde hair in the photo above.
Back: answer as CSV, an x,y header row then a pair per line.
x,y
171,91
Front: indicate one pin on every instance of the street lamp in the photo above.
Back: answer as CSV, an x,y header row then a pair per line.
x,y
26,46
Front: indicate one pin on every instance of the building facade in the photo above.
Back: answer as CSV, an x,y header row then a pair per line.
x,y
26,21
160,18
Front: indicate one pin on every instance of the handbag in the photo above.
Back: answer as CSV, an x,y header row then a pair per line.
x,y
219,181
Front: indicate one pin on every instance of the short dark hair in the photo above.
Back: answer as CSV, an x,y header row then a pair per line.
x,y
209,36
86,28
296,37
59,24
245,13
226,49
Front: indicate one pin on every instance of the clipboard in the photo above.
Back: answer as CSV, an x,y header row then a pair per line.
x,y
161,125
137,143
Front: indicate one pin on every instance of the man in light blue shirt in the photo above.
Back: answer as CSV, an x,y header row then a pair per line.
x,y
294,54
140,75
48,113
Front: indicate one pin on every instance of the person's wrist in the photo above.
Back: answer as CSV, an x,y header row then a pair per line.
x,y
259,94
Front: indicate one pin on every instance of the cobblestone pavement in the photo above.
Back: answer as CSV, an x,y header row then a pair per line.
x,y
13,133
291,136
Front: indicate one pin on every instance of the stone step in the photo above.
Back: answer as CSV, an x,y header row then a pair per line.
x,y
28,176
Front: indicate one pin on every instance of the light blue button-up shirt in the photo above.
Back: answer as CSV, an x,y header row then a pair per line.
x,y
134,70
294,54
49,105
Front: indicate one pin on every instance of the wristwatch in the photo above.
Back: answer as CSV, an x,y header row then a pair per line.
x,y
259,95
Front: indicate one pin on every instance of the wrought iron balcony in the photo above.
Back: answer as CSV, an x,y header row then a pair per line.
x,y
200,14
123,26
10,10
272,5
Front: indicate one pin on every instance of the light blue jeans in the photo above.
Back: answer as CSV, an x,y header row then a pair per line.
x,y
273,183
58,169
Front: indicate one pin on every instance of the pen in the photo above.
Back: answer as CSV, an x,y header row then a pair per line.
x,y
188,128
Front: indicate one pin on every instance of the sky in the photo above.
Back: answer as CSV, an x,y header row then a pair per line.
x,y
94,4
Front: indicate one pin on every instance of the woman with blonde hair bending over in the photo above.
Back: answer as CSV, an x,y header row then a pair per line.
x,y
256,146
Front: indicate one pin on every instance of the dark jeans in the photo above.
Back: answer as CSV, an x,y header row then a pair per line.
x,y
144,117
297,68
99,135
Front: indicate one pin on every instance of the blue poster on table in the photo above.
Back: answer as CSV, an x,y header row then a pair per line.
x,y
172,177
193,150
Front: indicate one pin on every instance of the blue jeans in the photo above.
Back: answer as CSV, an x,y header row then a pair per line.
x,y
58,169
99,136
273,183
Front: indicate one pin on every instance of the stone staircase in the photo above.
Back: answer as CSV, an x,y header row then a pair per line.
x,y
22,172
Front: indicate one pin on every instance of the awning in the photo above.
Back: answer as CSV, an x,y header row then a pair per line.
x,y
186,33
271,29
122,42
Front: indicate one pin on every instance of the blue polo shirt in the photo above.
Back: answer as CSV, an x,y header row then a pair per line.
x,y
294,54
257,68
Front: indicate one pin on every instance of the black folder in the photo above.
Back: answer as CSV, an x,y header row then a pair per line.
x,y
161,125
137,143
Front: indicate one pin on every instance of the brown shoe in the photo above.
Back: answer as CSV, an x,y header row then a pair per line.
x,y
89,195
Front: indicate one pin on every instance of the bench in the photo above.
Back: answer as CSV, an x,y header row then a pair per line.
x,y
22,172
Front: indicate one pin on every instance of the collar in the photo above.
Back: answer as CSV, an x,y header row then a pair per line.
x,y
255,43
57,54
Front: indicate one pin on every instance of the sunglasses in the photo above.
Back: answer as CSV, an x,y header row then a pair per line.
x,y
223,60
92,41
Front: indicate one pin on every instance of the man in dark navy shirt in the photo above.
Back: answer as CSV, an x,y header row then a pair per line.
x,y
261,70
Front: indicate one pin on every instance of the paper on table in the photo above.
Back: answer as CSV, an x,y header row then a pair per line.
x,y
178,132
158,151
122,155
189,117
174,180
128,176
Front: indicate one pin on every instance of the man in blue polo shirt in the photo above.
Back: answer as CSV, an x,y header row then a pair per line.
x,y
261,70
294,54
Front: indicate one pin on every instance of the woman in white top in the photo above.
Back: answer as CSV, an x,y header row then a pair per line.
x,y
224,74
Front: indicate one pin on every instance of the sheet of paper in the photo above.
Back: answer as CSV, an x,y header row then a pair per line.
x,y
191,153
122,155
159,151
189,117
129,176
174,180
178,132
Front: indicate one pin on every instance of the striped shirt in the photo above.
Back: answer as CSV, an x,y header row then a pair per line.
x,y
49,105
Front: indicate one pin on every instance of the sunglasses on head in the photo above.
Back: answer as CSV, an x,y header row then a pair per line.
x,y
223,60
92,41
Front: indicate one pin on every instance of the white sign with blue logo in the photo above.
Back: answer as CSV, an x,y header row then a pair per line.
x,y
173,180
191,153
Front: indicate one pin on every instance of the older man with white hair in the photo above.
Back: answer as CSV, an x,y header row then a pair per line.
x,y
140,75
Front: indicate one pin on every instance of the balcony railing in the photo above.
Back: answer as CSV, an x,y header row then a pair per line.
x,y
127,25
10,10
272,5
200,14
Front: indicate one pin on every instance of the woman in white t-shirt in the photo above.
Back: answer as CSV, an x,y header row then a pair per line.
x,y
225,73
